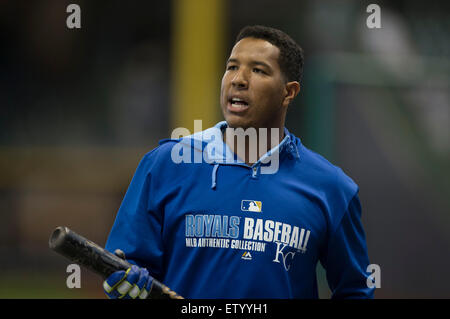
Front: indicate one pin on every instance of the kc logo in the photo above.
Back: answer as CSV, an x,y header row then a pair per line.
x,y
286,257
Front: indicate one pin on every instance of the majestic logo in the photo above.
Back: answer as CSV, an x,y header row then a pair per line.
x,y
246,256
251,206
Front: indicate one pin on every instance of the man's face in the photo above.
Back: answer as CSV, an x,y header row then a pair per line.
x,y
253,91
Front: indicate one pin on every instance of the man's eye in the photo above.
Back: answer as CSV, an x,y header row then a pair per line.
x,y
232,67
256,70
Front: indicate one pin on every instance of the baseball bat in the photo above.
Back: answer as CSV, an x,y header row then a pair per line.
x,y
97,259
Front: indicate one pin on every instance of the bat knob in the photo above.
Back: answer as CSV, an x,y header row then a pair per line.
x,y
57,237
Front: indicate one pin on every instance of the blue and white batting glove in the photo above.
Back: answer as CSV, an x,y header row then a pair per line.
x,y
133,283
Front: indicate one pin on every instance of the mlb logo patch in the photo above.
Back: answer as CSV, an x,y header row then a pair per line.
x,y
251,206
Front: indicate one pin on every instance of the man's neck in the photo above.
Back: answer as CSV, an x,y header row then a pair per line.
x,y
250,144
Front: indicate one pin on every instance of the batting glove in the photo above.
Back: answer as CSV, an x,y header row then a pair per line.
x,y
133,283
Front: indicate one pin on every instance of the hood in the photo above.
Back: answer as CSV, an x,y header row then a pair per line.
x,y
208,146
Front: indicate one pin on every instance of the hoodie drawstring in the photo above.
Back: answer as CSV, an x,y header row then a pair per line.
x,y
214,176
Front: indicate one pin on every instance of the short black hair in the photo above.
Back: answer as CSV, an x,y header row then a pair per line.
x,y
291,54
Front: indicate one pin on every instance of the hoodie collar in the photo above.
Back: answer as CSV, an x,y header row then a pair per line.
x,y
217,151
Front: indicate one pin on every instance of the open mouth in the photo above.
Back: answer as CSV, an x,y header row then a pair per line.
x,y
237,104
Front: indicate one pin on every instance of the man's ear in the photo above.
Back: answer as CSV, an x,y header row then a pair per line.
x,y
291,91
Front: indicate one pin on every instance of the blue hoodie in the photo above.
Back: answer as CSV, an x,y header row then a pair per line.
x,y
218,228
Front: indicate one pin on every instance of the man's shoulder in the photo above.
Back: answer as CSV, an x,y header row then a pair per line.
x,y
329,183
161,153
170,152
325,172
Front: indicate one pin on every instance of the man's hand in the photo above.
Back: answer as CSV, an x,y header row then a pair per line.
x,y
133,283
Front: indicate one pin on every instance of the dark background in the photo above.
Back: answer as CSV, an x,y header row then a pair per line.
x,y
80,107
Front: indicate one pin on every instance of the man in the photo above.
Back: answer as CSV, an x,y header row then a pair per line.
x,y
235,225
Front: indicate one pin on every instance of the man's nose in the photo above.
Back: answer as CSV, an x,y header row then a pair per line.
x,y
240,80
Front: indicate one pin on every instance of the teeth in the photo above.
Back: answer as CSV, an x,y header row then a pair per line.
x,y
238,101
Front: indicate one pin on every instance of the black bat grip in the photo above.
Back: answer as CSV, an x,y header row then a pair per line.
x,y
97,259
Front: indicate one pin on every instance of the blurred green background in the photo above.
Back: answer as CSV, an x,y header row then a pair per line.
x,y
80,107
